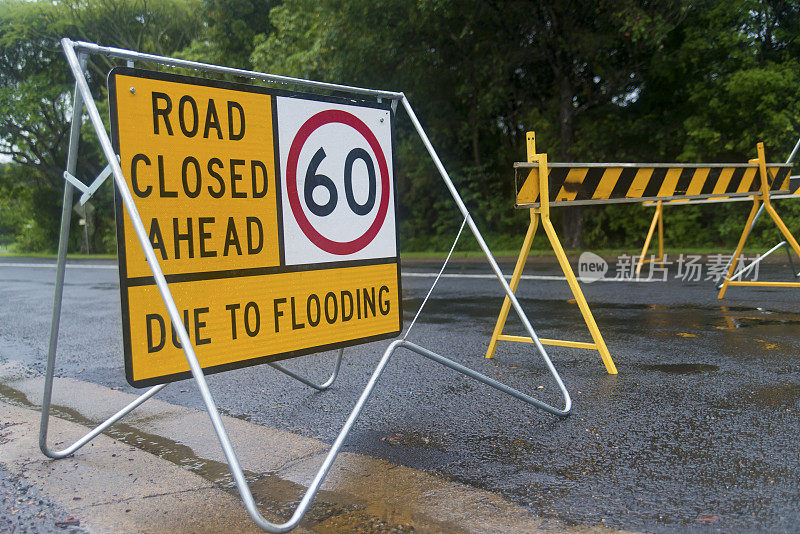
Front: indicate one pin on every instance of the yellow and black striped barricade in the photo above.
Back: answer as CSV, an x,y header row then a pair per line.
x,y
540,184
759,199
658,218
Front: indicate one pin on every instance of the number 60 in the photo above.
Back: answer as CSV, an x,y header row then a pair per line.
x,y
314,180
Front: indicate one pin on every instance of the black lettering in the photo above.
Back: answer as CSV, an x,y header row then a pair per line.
x,y
235,136
358,302
352,157
156,239
295,324
231,238
251,249
175,340
188,237
198,324
235,177
191,193
212,120
233,308
331,297
384,301
265,183
155,347
278,313
252,306
195,116
369,301
164,112
162,187
347,297
316,315
141,193
211,163
201,231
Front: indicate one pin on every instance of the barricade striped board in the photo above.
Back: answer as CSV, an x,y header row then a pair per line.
x,y
792,192
594,183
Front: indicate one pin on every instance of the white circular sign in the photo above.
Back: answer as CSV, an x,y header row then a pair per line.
x,y
338,183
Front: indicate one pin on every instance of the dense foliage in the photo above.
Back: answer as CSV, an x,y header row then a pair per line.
x,y
599,80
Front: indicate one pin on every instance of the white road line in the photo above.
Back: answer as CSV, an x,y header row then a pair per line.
x,y
481,276
524,277
406,274
53,265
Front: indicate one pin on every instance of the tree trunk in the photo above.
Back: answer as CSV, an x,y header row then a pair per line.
x,y
476,150
572,217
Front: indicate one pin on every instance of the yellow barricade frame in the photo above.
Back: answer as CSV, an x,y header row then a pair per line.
x,y
762,197
658,220
542,214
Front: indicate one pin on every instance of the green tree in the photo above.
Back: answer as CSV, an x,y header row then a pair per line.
x,y
230,29
479,73
591,55
724,79
36,87
12,204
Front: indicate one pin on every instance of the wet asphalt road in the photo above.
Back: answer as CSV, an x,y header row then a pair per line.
x,y
698,432
24,511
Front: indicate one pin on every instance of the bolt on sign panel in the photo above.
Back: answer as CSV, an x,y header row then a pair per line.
x,y
272,215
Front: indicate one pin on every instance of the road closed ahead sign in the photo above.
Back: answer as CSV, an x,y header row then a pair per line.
x,y
272,216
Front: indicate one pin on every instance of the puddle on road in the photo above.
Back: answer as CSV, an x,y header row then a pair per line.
x,y
684,321
275,497
107,286
556,313
681,368
780,395
746,322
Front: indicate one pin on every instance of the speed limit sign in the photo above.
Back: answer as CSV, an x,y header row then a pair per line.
x,y
272,215
338,182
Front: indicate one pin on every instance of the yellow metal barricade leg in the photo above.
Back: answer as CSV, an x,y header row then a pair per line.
x,y
762,167
515,278
599,343
660,232
657,221
543,214
739,247
763,196
783,228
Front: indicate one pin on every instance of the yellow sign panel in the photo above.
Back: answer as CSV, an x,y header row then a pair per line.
x,y
236,320
202,161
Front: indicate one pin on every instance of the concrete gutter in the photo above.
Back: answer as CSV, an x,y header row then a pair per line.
x,y
162,470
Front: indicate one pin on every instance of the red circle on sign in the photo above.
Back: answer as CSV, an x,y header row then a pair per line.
x,y
328,245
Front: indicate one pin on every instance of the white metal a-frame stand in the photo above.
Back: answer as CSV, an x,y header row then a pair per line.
x,y
77,54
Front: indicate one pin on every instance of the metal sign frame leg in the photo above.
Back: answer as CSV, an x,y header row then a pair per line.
x,y
82,88
319,387
509,294
66,212
658,219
